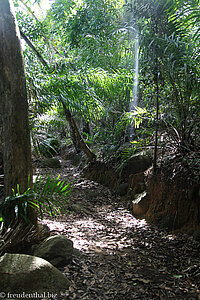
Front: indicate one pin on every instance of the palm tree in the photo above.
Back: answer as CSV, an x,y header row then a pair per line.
x,y
186,16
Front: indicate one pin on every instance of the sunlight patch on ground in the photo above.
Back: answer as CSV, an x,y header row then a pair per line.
x,y
90,224
105,234
53,225
125,219
86,184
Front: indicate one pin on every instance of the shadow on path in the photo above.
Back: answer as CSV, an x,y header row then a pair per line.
x,y
119,256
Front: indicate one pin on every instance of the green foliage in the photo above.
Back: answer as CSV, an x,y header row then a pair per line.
x,y
87,29
44,196
47,130
168,56
92,19
43,144
186,17
90,50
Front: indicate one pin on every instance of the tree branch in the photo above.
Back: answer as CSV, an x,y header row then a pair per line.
x,y
29,43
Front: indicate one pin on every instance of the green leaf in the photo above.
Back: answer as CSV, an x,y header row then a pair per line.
x,y
177,276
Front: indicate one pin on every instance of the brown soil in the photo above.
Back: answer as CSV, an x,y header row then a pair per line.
x,y
119,256
172,205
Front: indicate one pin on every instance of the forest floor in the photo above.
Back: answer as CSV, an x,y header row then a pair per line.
x,y
119,256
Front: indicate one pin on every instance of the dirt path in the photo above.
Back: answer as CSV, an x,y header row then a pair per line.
x,y
118,256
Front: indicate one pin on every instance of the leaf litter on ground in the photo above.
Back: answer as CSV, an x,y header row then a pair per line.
x,y
118,256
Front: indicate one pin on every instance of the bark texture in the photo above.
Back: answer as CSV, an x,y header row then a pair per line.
x,y
13,104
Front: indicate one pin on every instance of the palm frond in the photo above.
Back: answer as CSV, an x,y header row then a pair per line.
x,y
44,196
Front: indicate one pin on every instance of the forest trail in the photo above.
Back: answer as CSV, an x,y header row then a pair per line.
x,y
118,256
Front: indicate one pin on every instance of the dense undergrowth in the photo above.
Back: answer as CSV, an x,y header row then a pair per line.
x,y
84,61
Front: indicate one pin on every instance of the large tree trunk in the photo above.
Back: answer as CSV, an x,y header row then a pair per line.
x,y
13,105
1,156
77,136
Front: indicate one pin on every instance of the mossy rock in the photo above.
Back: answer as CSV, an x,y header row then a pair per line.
x,y
53,163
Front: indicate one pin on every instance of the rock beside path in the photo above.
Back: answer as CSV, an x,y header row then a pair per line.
x,y
121,257
57,250
20,273
140,204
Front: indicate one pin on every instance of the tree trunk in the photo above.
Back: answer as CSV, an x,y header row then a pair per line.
x,y
1,157
77,136
13,105
86,126
156,131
